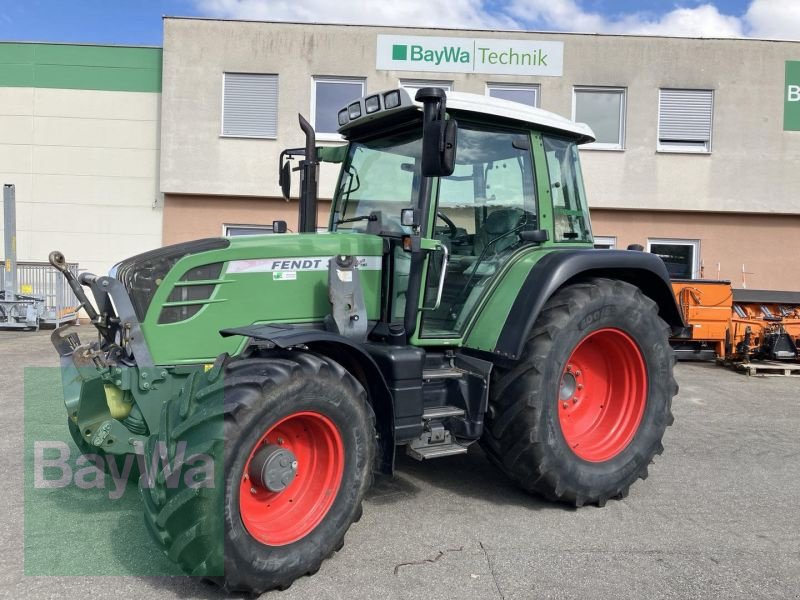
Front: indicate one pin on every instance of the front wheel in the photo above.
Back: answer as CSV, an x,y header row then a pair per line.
x,y
582,414
293,441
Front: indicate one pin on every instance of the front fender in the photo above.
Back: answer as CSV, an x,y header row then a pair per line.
x,y
352,357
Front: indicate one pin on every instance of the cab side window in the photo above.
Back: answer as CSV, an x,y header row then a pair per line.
x,y
570,213
493,176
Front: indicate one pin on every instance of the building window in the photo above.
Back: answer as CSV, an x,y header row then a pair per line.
x,y
250,105
412,85
235,230
330,95
603,109
605,242
524,94
682,257
684,120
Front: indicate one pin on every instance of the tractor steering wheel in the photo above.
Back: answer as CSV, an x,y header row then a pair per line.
x,y
452,230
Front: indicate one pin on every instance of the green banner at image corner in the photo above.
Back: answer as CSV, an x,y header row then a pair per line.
x,y
77,522
791,96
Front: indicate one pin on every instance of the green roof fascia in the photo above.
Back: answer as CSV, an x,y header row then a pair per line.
x,y
80,67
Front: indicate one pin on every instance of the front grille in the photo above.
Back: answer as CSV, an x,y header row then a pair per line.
x,y
196,284
142,274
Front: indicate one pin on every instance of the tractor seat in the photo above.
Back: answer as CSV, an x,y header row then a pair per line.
x,y
499,222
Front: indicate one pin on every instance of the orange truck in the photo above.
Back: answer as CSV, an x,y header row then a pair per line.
x,y
736,324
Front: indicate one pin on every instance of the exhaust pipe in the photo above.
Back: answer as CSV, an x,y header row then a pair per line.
x,y
309,181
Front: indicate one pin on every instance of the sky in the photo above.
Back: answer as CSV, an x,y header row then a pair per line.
x,y
139,21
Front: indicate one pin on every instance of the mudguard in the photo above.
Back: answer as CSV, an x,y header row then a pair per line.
x,y
352,357
644,270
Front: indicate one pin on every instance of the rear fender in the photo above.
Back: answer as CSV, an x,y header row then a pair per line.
x,y
558,269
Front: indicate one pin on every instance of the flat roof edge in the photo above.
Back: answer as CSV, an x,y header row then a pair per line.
x,y
87,44
487,30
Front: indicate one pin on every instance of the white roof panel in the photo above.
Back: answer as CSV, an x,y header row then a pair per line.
x,y
478,104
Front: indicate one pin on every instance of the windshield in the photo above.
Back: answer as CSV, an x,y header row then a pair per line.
x,y
378,175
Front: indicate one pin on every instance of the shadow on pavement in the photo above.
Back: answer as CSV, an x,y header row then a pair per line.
x,y
467,475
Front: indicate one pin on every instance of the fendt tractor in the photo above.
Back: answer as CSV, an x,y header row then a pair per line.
x,y
455,298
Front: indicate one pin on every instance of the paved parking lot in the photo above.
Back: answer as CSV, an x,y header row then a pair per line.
x,y
718,516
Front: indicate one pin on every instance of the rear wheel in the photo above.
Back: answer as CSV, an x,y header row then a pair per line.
x,y
582,414
295,439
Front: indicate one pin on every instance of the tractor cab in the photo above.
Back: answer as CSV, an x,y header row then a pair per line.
x,y
459,186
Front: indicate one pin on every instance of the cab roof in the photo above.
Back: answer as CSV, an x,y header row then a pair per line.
x,y
362,111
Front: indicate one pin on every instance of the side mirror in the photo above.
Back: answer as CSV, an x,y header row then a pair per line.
x,y
409,217
285,180
535,236
439,148
438,134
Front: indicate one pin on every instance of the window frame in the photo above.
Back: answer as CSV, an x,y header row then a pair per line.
x,y
535,87
686,148
623,114
222,133
693,243
328,136
227,226
605,240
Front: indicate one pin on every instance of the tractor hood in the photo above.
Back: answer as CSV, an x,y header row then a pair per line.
x,y
185,294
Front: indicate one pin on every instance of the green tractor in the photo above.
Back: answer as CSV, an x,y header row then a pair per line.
x,y
455,298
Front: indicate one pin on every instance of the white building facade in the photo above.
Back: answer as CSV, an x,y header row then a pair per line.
x,y
79,139
696,158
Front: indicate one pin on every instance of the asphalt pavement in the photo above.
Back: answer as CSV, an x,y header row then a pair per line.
x,y
717,518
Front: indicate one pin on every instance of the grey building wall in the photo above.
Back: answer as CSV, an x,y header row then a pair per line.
x,y
752,166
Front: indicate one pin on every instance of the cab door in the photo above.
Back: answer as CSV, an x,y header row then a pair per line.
x,y
480,211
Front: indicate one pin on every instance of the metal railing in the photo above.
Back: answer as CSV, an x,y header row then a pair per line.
x,y
41,280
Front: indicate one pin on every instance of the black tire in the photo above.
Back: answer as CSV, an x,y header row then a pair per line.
x,y
523,433
201,529
120,460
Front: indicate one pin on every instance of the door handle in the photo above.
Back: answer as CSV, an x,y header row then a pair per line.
x,y
445,260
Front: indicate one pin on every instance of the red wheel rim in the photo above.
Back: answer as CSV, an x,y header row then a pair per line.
x,y
280,518
602,395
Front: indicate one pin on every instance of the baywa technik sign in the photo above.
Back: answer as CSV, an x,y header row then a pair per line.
x,y
791,97
469,55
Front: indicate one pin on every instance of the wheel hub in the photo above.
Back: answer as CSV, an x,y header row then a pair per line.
x,y
569,384
273,468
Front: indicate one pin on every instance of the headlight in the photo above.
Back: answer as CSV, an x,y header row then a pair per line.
x,y
372,104
391,99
